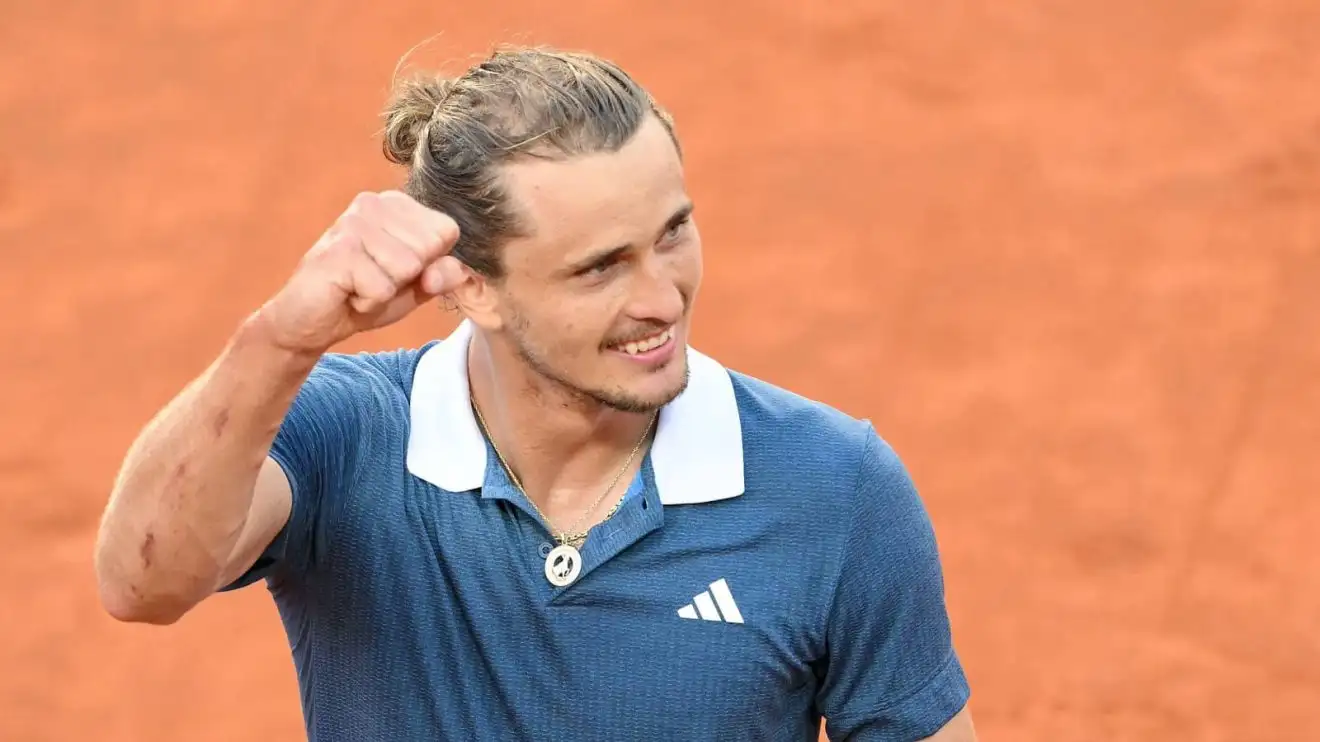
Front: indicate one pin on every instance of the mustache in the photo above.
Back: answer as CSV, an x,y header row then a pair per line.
x,y
640,333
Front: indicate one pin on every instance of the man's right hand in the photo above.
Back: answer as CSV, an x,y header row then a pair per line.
x,y
385,256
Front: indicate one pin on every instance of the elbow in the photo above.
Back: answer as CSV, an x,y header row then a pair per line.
x,y
128,606
126,596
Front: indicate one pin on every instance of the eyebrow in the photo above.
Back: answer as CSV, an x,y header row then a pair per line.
x,y
680,214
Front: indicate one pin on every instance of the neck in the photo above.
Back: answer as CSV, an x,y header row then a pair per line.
x,y
554,440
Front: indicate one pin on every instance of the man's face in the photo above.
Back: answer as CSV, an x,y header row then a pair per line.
x,y
598,299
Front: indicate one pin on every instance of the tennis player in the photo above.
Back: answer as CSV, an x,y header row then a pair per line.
x,y
560,521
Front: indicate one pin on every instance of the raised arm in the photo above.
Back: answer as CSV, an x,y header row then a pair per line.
x,y
198,497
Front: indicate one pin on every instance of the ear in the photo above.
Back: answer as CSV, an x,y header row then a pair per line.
x,y
478,300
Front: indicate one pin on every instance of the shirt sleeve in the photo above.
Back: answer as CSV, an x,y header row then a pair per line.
x,y
891,672
315,447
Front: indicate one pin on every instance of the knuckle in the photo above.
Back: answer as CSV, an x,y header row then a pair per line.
x,y
334,242
441,232
353,222
409,262
344,245
446,227
378,295
398,198
362,263
363,203
391,255
378,290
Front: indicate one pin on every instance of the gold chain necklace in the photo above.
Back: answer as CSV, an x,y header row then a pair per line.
x,y
566,537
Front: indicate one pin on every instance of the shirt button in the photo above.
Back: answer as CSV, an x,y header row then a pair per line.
x,y
545,549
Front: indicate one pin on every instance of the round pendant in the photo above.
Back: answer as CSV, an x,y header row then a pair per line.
x,y
563,565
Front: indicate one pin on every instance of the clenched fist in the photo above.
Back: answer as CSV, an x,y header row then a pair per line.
x,y
384,256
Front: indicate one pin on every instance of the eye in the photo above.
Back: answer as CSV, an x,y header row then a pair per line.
x,y
600,267
676,229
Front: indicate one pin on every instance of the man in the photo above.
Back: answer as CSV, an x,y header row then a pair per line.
x,y
560,522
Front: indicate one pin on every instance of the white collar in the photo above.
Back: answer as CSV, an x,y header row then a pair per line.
x,y
697,455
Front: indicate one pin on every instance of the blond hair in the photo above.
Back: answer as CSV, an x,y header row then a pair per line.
x,y
453,134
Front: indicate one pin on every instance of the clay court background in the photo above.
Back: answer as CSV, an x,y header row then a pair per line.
x,y
1064,254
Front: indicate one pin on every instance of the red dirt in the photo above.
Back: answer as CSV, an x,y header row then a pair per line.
x,y
1082,308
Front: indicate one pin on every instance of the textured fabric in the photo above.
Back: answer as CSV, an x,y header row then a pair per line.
x,y
697,451
415,613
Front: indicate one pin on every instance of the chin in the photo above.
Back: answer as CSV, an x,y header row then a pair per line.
x,y
647,394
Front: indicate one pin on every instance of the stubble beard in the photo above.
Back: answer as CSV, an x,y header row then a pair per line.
x,y
615,400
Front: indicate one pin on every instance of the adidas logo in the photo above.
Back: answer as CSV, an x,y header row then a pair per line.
x,y
703,606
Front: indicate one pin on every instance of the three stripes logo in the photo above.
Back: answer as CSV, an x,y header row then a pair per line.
x,y
715,604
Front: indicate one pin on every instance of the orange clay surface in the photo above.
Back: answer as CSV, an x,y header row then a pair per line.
x,y
1063,254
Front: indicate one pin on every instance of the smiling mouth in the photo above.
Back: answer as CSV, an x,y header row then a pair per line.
x,y
638,347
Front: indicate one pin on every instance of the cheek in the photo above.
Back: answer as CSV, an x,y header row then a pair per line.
x,y
573,328
687,265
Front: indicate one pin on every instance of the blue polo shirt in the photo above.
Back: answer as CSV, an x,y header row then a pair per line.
x,y
773,566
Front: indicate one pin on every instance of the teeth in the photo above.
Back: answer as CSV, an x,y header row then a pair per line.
x,y
652,342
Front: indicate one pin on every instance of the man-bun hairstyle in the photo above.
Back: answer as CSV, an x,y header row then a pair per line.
x,y
453,134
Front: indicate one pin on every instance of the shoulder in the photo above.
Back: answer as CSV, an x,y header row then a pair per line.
x,y
368,373
392,367
837,468
831,477
769,404
821,462
787,431
346,391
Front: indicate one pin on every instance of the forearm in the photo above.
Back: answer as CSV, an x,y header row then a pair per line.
x,y
185,488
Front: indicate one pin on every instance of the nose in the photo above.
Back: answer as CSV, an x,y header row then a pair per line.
x,y
656,295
